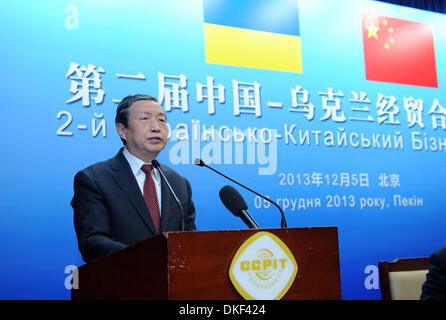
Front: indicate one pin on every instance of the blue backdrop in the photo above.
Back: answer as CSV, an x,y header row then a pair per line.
x,y
333,148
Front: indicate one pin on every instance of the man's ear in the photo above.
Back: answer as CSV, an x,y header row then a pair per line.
x,y
122,131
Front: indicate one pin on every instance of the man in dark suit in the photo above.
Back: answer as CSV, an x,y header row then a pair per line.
x,y
434,288
122,201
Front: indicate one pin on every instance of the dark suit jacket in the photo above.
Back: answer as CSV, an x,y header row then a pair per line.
x,y
434,288
109,209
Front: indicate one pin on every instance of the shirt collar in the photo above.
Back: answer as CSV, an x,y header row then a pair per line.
x,y
136,163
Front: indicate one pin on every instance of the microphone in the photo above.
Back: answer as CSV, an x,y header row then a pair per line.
x,y
157,166
201,163
235,203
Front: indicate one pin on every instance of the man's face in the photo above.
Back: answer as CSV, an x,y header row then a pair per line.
x,y
146,134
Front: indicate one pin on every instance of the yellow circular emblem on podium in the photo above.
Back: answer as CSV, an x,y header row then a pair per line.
x,y
263,268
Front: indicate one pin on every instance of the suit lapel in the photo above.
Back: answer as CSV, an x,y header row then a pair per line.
x,y
124,177
168,204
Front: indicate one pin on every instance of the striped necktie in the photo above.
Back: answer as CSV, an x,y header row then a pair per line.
x,y
150,197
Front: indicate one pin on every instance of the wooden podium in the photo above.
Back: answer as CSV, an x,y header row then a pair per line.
x,y
195,265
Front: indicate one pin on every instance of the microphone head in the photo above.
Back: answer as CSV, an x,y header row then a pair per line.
x,y
199,162
155,164
232,200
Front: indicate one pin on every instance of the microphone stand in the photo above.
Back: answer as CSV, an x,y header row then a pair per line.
x,y
201,163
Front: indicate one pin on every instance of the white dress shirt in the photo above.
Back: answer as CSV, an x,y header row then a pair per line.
x,y
136,164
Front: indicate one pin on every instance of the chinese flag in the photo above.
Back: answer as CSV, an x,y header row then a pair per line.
x,y
398,51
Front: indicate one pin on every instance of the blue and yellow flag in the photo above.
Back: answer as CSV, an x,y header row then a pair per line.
x,y
253,33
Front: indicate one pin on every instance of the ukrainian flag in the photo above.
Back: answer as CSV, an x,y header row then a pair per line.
x,y
253,33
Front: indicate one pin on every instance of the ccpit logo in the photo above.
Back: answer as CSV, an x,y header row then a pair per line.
x,y
263,267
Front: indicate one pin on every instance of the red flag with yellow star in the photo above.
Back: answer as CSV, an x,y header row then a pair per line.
x,y
398,51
